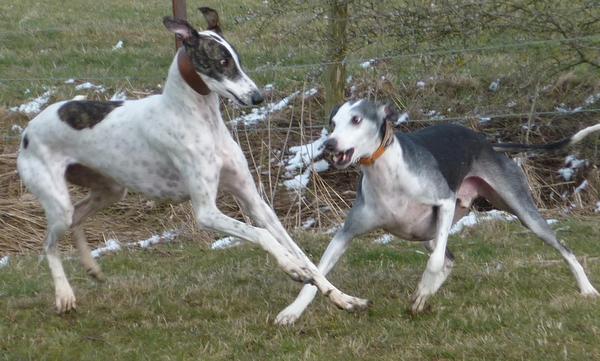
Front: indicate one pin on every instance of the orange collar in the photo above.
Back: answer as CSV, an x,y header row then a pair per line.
x,y
388,138
188,73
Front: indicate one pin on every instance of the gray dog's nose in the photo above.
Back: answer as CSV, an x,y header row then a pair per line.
x,y
330,145
256,98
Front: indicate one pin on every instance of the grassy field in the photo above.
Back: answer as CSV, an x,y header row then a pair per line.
x,y
509,298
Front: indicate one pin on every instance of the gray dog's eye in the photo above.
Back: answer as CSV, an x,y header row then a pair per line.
x,y
224,62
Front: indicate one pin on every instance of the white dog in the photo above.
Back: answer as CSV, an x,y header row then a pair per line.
x,y
170,146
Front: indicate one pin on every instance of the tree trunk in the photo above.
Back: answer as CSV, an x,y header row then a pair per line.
x,y
180,12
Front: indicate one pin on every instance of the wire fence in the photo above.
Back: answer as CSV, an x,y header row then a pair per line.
x,y
279,68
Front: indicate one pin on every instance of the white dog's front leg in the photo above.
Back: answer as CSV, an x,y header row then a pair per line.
x,y
338,245
237,178
265,215
435,272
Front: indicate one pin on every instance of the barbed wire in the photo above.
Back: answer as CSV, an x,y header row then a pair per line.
x,y
277,67
491,117
265,14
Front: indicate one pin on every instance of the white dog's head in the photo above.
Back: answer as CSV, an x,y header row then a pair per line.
x,y
215,60
358,130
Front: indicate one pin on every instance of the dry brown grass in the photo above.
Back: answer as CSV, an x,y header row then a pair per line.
x,y
329,194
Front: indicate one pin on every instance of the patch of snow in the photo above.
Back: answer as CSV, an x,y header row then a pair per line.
x,y
4,261
485,120
435,115
90,86
299,182
303,157
385,239
226,242
118,45
495,85
120,95
16,128
34,106
592,99
260,114
581,187
572,165
597,209
320,166
349,79
79,97
367,64
111,245
269,87
304,154
575,163
309,223
70,81
165,237
511,104
566,173
472,219
403,118
420,84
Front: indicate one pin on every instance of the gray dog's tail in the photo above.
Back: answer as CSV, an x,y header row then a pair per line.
x,y
575,138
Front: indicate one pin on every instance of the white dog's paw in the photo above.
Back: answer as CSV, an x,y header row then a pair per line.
x,y
65,300
590,292
348,303
288,316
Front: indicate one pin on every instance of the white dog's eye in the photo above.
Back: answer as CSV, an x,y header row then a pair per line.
x,y
356,120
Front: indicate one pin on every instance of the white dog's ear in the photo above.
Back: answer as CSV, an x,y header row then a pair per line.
x,y
182,29
388,113
212,19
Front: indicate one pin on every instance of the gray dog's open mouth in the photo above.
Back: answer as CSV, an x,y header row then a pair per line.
x,y
341,159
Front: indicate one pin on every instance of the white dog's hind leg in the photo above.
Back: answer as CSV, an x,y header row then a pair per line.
x,y
99,197
49,185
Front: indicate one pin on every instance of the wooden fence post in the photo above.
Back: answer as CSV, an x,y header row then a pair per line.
x,y
179,11
337,39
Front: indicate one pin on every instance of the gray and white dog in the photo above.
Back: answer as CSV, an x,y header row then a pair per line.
x,y
417,185
169,146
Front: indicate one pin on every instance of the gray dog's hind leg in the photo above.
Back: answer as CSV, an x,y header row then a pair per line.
x,y
511,192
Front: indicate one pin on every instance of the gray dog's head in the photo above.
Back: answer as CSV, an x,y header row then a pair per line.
x,y
358,128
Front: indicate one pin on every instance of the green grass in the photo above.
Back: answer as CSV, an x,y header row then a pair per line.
x,y
182,301
505,300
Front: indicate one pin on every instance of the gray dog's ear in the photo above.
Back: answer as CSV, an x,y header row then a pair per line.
x,y
212,19
388,113
182,29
